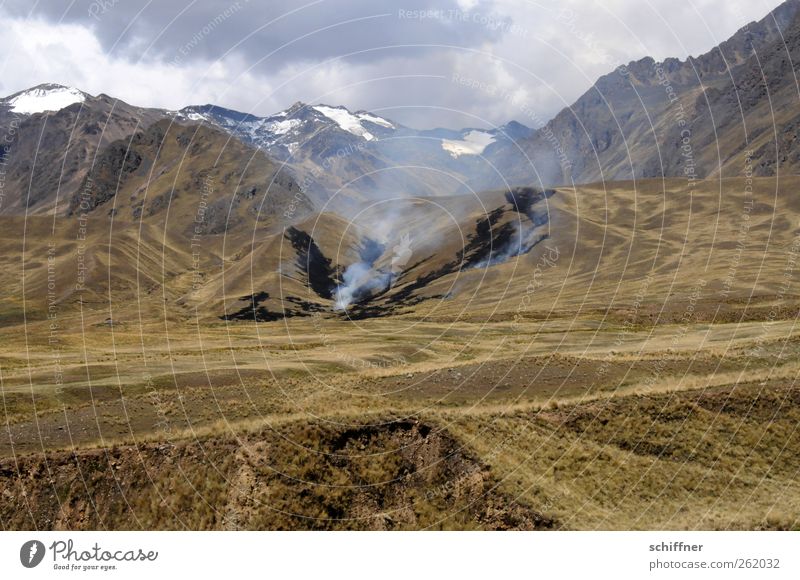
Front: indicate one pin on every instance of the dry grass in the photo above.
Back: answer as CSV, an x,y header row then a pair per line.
x,y
602,401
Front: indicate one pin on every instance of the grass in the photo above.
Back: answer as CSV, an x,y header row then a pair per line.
x,y
603,402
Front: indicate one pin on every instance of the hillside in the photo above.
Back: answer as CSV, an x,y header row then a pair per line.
x,y
49,152
717,458
696,117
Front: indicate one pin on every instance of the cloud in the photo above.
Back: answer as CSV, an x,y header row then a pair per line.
x,y
268,34
424,63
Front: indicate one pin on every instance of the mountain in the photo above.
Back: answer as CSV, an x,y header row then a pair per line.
x,y
52,135
723,113
316,208
283,133
193,180
41,99
343,159
156,216
340,159
696,117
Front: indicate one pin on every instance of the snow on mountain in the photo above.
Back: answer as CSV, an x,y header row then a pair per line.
x,y
331,147
44,98
351,122
282,133
281,127
192,116
473,143
369,117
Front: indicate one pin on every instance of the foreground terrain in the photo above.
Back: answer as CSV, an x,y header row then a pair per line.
x,y
635,369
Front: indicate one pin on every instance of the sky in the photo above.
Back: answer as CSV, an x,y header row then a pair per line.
x,y
423,63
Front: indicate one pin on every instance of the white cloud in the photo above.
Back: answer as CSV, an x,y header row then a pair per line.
x,y
534,60
38,52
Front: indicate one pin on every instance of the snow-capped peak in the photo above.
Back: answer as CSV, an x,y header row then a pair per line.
x,y
352,122
45,98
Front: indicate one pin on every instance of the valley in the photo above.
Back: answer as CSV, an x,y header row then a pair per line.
x,y
670,364
321,318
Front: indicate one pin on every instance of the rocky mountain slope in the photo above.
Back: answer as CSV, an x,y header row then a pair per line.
x,y
51,136
697,118
190,179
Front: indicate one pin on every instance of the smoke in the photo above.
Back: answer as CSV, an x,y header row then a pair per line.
x,y
397,233
372,276
525,235
521,242
360,282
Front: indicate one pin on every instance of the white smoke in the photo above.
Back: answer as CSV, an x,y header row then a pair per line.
x,y
359,281
376,271
401,254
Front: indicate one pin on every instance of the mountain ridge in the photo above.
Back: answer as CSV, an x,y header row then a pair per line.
x,y
624,127
635,122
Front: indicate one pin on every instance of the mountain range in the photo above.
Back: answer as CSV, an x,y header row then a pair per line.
x,y
645,120
321,197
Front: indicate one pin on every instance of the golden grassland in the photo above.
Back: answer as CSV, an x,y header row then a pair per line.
x,y
254,436
643,379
